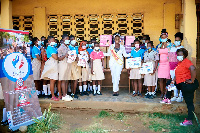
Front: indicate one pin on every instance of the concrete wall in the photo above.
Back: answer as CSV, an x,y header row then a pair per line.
x,y
158,14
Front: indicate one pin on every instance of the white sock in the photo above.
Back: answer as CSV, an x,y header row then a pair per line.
x,y
58,93
150,93
134,92
90,88
49,90
84,87
80,88
98,91
94,86
45,89
69,88
4,115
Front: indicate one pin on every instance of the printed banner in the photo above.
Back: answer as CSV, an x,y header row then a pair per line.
x,y
129,40
146,68
16,78
83,58
14,41
105,40
133,62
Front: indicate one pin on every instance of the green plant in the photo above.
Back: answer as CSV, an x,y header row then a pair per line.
x,y
168,122
96,128
49,121
103,114
196,119
119,116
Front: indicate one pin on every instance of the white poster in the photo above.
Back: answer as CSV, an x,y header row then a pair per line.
x,y
133,62
72,56
146,68
83,58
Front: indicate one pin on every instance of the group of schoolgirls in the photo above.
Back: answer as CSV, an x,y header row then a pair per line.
x,y
57,68
59,65
164,60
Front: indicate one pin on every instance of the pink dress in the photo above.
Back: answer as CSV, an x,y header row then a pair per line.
x,y
164,68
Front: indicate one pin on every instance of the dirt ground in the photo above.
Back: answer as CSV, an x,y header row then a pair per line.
x,y
85,119
74,117
83,114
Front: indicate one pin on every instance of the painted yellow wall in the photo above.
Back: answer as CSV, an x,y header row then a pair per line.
x,y
6,14
190,28
40,21
154,11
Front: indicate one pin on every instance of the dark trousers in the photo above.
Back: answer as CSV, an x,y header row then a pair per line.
x,y
188,95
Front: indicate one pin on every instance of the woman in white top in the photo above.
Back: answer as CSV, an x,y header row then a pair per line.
x,y
116,62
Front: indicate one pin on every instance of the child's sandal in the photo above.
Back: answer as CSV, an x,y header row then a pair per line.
x,y
55,99
60,97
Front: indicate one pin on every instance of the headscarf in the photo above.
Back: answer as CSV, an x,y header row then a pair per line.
x,y
80,47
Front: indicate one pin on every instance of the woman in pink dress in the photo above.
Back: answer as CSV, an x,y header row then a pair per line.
x,y
163,68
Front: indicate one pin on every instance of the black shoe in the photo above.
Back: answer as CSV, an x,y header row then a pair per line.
x,y
49,96
147,96
46,97
72,95
81,94
4,123
151,97
40,96
43,96
94,94
85,93
139,94
69,93
115,94
75,96
99,93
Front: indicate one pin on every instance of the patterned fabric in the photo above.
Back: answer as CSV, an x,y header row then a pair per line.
x,y
152,56
62,50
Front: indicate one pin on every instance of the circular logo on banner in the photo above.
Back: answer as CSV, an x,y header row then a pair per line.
x,y
20,82
15,67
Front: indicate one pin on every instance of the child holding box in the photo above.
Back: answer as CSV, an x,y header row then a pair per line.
x,y
134,73
150,79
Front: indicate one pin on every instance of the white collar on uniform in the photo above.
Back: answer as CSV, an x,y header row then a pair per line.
x,y
138,50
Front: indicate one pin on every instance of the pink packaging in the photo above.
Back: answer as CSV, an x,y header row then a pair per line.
x,y
105,40
129,40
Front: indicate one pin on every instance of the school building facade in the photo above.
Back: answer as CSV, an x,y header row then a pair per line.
x,y
91,18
